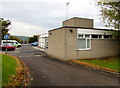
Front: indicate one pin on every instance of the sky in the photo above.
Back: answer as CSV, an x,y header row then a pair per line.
x,y
35,17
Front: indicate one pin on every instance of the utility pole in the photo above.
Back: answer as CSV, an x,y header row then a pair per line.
x,y
67,10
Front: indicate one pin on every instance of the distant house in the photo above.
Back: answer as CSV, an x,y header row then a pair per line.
x,y
43,40
77,39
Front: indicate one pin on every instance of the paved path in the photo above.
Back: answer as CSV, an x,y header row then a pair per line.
x,y
46,71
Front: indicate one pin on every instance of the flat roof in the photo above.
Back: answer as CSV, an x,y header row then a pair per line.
x,y
82,28
78,18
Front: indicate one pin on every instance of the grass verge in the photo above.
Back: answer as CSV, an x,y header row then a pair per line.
x,y
9,65
110,64
11,69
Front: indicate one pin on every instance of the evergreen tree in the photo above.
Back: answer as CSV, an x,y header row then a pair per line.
x,y
4,24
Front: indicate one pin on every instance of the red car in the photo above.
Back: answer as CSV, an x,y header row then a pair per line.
x,y
9,46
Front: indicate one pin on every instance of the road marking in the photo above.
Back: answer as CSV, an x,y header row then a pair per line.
x,y
38,55
31,56
20,56
39,49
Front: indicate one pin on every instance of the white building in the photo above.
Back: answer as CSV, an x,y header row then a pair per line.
x,y
43,40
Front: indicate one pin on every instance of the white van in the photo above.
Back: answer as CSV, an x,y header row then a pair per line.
x,y
11,41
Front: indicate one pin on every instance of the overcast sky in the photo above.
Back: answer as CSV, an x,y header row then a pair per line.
x,y
36,17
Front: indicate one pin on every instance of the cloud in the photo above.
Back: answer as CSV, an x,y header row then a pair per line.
x,y
38,16
25,29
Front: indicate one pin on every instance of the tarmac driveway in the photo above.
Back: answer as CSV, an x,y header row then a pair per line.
x,y
46,71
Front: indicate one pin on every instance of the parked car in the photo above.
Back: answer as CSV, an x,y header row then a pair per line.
x,y
7,46
12,42
34,43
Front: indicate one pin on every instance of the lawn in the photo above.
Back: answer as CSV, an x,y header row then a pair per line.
x,y
110,63
9,65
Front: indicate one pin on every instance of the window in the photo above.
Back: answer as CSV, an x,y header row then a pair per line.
x,y
100,36
84,42
8,42
111,36
94,36
80,36
81,43
107,36
87,36
88,43
16,43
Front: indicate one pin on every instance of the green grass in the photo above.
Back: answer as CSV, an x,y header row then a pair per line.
x,y
112,63
9,65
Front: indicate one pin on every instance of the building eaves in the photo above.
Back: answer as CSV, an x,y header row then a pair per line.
x,y
81,28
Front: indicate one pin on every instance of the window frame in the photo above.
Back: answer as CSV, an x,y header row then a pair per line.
x,y
85,41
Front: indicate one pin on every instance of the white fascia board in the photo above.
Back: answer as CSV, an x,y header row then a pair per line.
x,y
91,31
44,35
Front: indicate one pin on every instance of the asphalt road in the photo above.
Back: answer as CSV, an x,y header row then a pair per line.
x,y
46,71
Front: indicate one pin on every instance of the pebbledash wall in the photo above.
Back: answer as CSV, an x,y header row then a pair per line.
x,y
81,41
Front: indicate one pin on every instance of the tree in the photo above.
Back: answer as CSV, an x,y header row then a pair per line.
x,y
33,39
4,24
110,15
15,38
